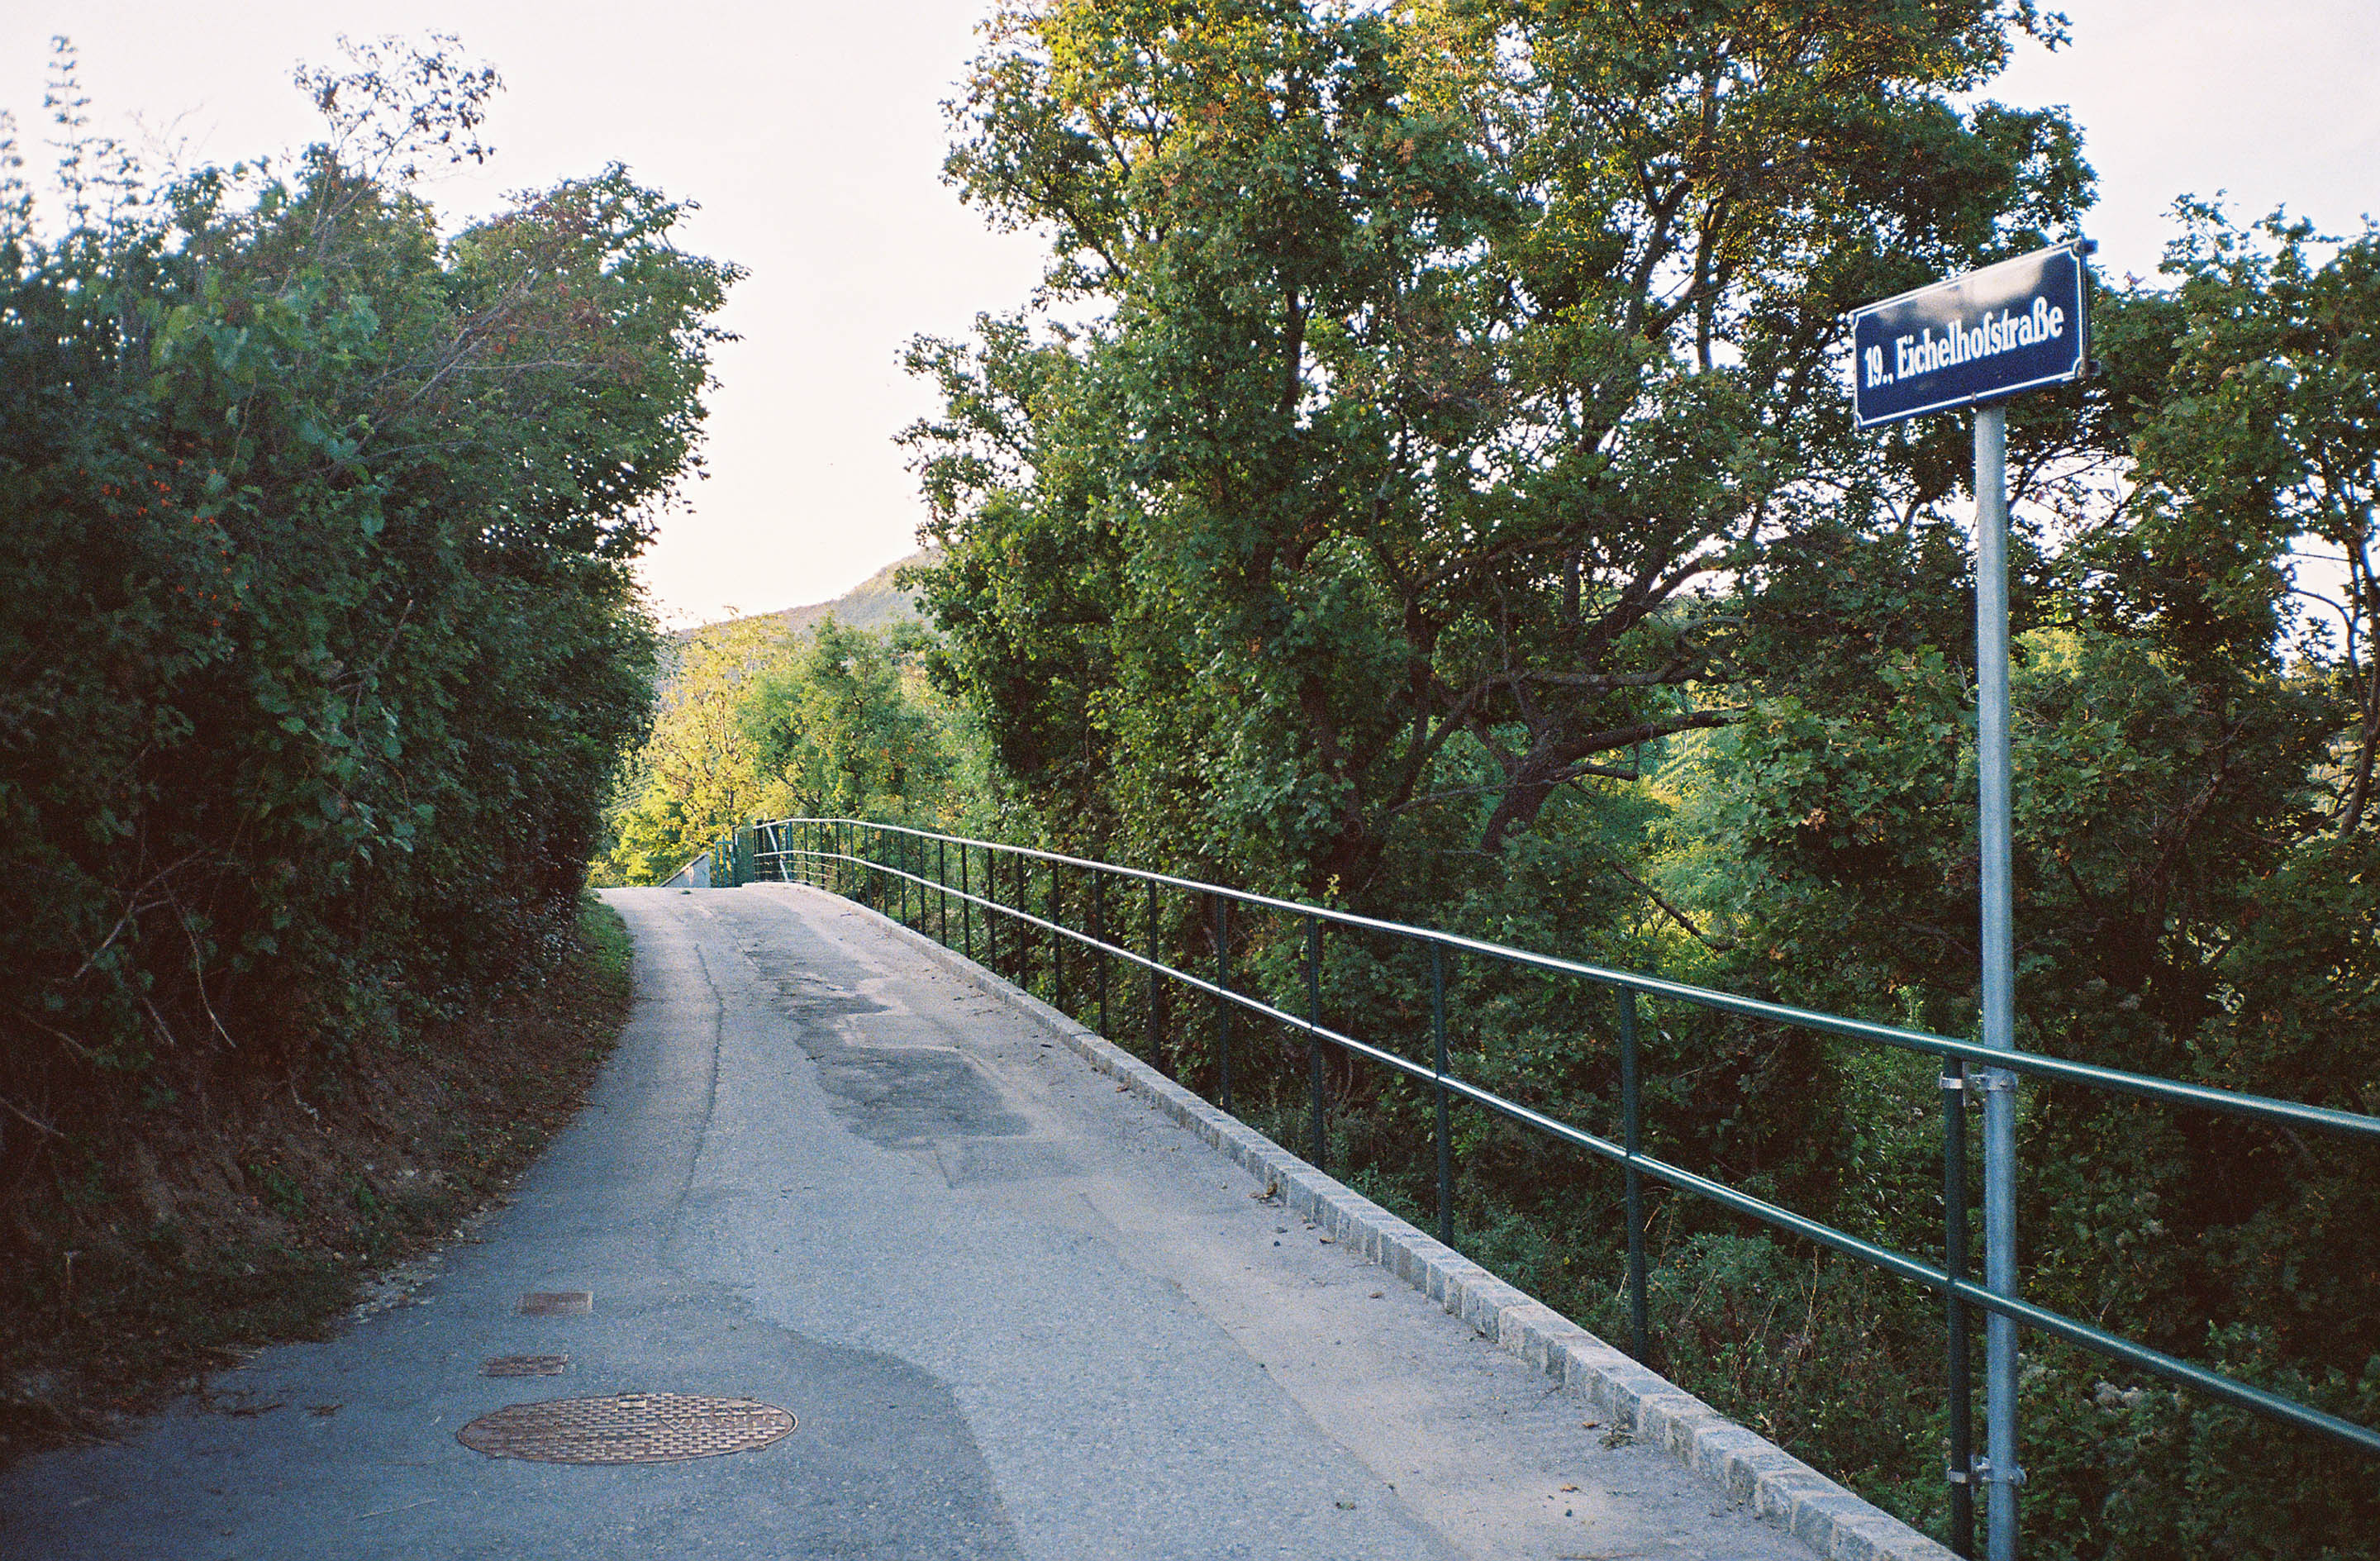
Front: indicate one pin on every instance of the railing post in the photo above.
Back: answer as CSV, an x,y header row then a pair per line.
x,y
1438,1062
966,907
1099,935
1313,1039
1962,1471
1155,1022
942,891
1631,1115
1057,947
1223,1002
991,909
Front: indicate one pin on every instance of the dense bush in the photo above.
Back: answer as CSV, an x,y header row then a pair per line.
x,y
315,605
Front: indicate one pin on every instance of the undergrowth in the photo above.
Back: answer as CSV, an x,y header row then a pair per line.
x,y
180,1240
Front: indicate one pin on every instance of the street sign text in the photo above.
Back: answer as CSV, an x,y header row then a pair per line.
x,y
1975,338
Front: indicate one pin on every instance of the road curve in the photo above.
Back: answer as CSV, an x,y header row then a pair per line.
x,y
1015,1312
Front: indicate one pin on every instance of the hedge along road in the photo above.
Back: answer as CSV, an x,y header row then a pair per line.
x,y
1016,1313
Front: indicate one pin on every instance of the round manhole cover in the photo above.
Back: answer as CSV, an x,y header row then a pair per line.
x,y
630,1428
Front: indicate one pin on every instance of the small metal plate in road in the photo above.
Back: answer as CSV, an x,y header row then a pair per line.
x,y
556,1303
525,1366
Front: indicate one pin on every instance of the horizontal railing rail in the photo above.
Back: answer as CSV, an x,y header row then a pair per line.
x,y
2176,1092
812,858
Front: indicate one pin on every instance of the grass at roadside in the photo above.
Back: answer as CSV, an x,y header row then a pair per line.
x,y
199,1232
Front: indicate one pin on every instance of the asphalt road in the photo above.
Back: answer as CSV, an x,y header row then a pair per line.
x,y
1016,1312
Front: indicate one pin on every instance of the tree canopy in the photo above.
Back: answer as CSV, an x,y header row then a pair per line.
x,y
1441,360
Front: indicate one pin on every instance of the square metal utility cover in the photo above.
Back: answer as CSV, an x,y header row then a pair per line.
x,y
553,1303
525,1366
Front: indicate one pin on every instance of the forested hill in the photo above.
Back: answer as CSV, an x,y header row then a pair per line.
x,y
875,603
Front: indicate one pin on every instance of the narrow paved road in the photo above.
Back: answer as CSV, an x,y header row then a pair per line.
x,y
1016,1312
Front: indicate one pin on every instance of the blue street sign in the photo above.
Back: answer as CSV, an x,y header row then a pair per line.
x,y
2009,327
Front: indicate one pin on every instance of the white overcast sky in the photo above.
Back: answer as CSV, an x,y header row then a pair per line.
x,y
811,135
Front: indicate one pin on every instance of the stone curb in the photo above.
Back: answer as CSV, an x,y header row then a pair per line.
x,y
1751,1470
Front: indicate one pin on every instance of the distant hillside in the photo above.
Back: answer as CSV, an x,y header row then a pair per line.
x,y
874,603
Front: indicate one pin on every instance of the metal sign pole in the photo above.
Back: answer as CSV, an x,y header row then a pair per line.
x,y
2001,1471
1976,340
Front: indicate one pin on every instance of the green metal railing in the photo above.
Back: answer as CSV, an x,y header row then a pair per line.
x,y
725,863
908,874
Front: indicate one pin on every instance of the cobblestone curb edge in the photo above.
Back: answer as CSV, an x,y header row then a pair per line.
x,y
1751,1470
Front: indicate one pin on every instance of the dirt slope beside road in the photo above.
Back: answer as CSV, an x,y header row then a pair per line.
x,y
202,1230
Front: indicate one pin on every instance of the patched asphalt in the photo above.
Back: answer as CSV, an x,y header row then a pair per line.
x,y
1015,1312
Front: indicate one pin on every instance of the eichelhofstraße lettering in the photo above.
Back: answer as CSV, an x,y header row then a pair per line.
x,y
2005,328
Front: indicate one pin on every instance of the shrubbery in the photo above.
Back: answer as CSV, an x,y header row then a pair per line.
x,y
320,640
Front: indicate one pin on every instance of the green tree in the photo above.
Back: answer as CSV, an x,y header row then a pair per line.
x,y
844,729
1446,363
2262,457
699,772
